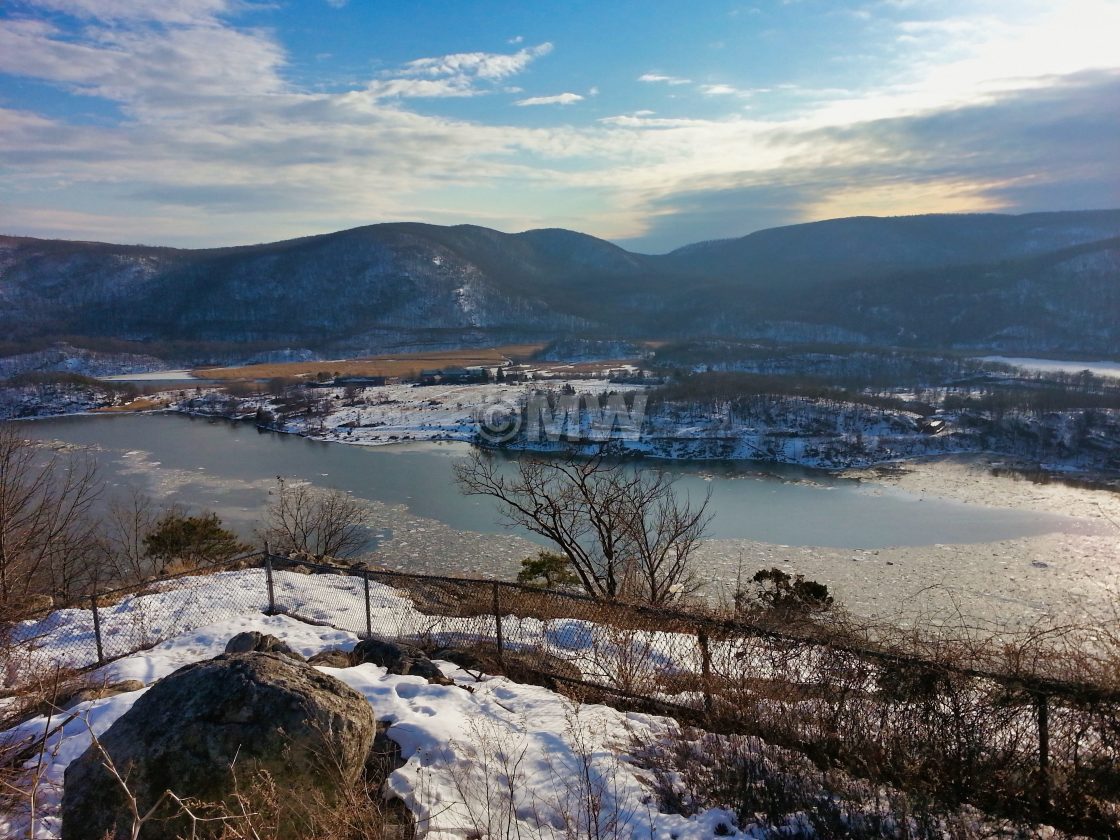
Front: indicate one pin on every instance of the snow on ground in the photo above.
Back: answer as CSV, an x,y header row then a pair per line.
x,y
1053,366
601,653
452,739
395,413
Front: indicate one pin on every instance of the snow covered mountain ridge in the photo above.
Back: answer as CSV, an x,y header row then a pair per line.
x,y
1036,283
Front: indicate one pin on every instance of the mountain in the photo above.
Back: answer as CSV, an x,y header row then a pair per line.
x,y
1033,283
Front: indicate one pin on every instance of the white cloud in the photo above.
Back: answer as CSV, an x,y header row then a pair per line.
x,y
482,65
217,139
455,75
669,80
558,99
163,11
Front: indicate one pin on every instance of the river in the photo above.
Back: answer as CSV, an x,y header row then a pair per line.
x,y
420,521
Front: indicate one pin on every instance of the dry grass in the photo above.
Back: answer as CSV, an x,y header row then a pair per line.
x,y
406,364
140,404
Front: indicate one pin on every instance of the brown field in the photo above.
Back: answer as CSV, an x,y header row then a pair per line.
x,y
139,404
401,364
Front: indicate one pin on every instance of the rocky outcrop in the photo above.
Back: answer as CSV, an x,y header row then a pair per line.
x,y
396,658
253,642
216,724
333,658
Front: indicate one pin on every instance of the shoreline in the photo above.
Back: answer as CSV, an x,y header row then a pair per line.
x,y
894,471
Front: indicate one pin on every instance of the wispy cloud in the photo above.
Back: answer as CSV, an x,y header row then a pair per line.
x,y
558,99
480,65
455,75
660,77
165,11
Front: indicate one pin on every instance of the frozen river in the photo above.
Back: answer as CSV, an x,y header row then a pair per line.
x,y
903,540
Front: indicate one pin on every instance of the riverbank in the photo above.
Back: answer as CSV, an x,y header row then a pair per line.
x,y
581,415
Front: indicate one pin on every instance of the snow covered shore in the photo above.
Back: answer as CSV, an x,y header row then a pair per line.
x,y
556,415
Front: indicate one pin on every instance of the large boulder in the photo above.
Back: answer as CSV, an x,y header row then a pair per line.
x,y
216,725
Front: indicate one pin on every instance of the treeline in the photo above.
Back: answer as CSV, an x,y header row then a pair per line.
x,y
740,388
848,366
63,379
1040,399
176,352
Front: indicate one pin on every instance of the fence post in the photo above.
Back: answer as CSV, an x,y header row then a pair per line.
x,y
97,630
271,589
497,609
369,616
705,668
1043,706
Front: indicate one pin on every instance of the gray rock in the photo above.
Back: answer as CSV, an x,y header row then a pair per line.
x,y
333,658
216,724
396,658
253,642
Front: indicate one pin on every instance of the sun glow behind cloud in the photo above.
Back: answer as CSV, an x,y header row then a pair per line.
x,y
216,141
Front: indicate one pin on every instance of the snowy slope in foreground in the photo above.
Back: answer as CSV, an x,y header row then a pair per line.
x,y
446,733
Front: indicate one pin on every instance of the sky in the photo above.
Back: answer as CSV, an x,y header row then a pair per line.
x,y
652,124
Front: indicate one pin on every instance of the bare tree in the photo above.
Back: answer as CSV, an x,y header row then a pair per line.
x,y
49,541
662,533
626,532
128,521
306,519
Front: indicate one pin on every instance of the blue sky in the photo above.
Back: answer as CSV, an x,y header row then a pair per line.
x,y
653,124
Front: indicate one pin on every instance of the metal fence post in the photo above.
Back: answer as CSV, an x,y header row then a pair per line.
x,y
705,668
497,609
97,630
369,615
271,588
1043,706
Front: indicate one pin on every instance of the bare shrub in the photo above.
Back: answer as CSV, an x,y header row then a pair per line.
x,y
584,800
780,793
488,781
128,521
626,658
308,520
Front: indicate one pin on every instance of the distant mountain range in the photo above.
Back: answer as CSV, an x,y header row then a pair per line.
x,y
1036,283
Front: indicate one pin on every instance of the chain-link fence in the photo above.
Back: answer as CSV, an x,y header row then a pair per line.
x,y
948,723
1013,739
114,623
